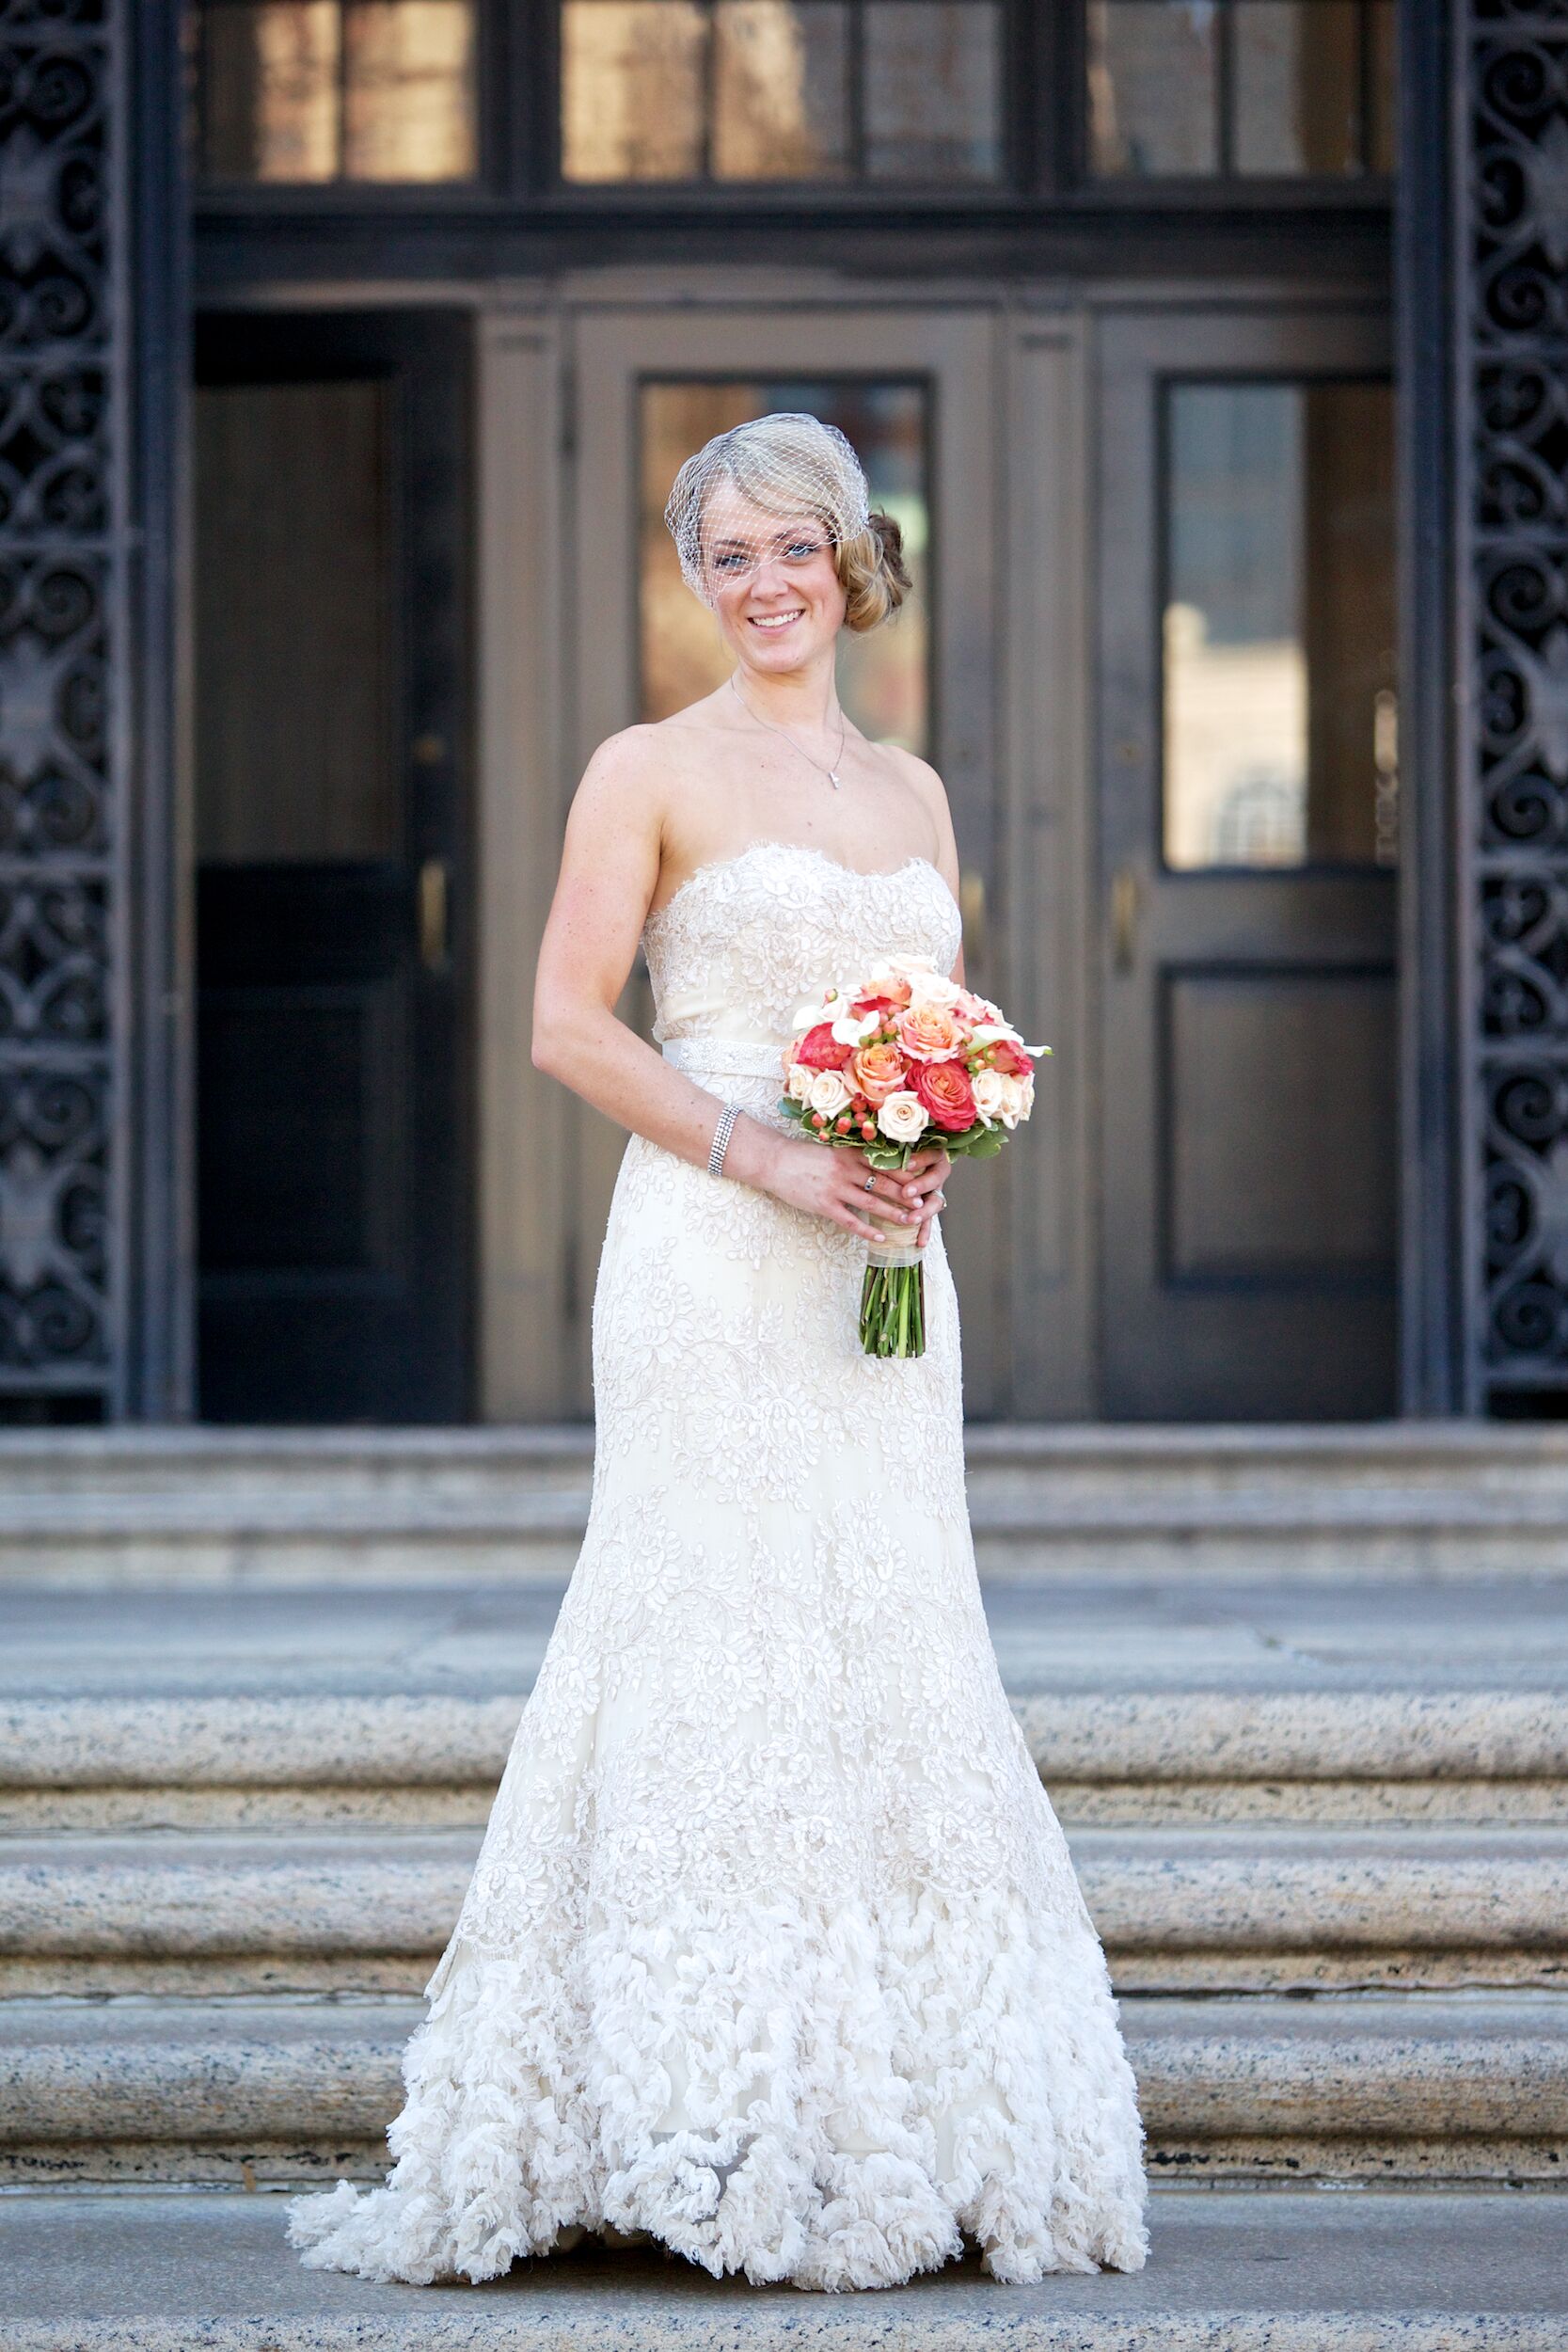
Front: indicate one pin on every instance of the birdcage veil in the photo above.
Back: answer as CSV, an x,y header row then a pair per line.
x,y
734,500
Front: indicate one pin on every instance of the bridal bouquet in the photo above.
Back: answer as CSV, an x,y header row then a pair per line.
x,y
885,1065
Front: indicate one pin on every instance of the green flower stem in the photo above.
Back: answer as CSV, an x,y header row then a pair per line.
x,y
892,1310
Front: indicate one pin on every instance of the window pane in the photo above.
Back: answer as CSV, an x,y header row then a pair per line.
x,y
269,88
1154,85
932,96
313,89
1298,86
296,738
1279,625
883,676
780,89
632,89
1380,138
408,100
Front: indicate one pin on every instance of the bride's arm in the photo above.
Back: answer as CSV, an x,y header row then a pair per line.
x,y
610,870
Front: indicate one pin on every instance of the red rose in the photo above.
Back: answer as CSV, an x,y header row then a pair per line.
x,y
946,1093
820,1050
1007,1057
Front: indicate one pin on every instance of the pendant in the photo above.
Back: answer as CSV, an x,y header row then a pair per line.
x,y
832,778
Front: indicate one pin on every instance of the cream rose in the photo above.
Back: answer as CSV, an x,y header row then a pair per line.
x,y
827,1094
989,1088
928,986
1012,1106
902,1117
797,1084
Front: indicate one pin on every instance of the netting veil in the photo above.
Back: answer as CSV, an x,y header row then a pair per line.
x,y
745,494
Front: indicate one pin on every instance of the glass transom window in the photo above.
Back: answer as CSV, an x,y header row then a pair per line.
x,y
1244,88
318,90
695,90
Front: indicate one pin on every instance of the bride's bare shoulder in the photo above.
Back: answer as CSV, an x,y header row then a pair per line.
x,y
653,746
920,778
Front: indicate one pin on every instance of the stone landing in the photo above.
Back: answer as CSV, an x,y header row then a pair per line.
x,y
1245,2271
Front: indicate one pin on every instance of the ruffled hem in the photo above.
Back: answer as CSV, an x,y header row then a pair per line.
x,y
831,2102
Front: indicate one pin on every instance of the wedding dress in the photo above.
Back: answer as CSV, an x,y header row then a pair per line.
x,y
773,1950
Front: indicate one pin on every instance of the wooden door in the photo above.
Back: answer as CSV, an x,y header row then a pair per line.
x,y
914,392
1248,774
333,954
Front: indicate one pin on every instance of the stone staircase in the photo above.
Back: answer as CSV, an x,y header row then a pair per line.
x,y
1404,1499
1301,1699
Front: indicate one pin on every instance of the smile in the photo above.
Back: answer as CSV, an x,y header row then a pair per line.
x,y
777,620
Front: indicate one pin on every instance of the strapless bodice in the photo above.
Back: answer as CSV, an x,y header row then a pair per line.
x,y
748,939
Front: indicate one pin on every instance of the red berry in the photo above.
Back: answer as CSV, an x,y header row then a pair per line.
x,y
817,1119
841,1126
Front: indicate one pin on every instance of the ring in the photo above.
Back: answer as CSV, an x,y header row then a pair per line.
x,y
870,1185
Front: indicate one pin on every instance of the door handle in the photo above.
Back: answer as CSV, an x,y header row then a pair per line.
x,y
1124,919
972,906
432,892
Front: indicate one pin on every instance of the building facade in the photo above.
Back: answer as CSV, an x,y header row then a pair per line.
x,y
1213,355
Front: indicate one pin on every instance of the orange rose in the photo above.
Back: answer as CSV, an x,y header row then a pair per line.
x,y
890,995
929,1033
878,1070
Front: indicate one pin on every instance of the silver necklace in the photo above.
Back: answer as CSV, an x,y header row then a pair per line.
x,y
831,773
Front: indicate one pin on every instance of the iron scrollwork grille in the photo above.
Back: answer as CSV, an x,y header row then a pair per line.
x,y
63,651
1512,378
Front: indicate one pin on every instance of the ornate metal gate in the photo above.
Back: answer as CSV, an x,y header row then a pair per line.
x,y
1510,388
91,336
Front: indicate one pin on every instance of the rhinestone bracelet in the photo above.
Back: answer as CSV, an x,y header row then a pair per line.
x,y
727,1118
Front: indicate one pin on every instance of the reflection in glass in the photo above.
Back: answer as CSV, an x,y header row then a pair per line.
x,y
883,677
932,82
1279,720
408,111
269,86
1154,85
311,90
780,89
632,92
1194,87
1297,85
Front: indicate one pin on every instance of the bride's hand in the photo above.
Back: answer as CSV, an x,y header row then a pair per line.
x,y
928,1171
832,1183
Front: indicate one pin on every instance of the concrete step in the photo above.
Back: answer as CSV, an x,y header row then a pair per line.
x,y
1400,1499
1112,1759
1459,2087
1275,1908
1184,1699
1238,2271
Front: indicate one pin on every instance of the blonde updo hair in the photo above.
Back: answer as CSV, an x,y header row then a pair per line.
x,y
872,573
788,464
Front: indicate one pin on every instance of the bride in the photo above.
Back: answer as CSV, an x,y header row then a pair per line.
x,y
773,1951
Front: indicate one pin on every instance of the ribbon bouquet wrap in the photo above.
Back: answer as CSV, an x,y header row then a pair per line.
x,y
886,1065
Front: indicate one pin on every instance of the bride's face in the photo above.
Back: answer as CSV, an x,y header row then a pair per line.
x,y
772,581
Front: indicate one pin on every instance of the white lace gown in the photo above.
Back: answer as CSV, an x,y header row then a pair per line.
x,y
774,1949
